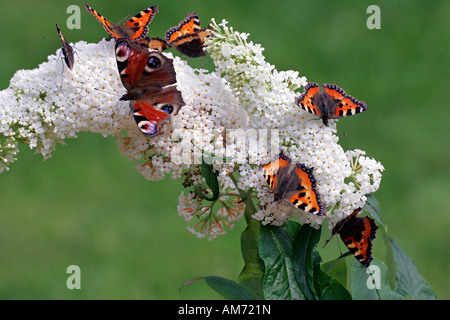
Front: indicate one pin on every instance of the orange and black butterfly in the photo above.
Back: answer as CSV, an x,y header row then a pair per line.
x,y
135,28
330,103
295,183
357,233
66,49
188,37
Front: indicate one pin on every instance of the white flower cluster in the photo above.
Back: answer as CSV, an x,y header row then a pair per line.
x,y
245,102
48,104
265,93
269,98
8,152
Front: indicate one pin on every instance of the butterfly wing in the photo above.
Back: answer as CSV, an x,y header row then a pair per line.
x,y
135,28
189,25
152,111
149,78
188,38
192,45
307,100
295,183
306,197
106,24
66,49
272,169
141,69
342,104
357,233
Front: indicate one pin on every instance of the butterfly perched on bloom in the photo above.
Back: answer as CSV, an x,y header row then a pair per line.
x,y
188,37
357,233
330,103
66,49
295,183
135,28
150,80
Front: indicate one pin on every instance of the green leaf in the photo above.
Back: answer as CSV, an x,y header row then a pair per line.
x,y
190,282
228,289
337,269
251,275
302,259
211,180
371,283
275,249
409,281
373,207
329,288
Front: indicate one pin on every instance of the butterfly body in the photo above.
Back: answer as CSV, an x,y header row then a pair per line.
x,y
67,50
295,183
134,28
357,233
329,103
150,80
154,43
188,37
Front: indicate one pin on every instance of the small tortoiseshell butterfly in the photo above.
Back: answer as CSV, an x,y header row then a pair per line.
x,y
188,37
149,78
330,103
357,233
67,50
294,182
135,28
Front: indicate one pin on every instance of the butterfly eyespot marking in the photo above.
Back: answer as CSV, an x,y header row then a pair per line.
x,y
168,108
147,127
122,52
152,64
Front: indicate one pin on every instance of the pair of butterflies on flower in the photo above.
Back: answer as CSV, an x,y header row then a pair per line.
x,y
296,183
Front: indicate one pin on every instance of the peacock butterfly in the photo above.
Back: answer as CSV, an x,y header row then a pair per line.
x,y
150,80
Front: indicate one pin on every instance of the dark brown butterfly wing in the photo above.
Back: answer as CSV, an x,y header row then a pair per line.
x,y
150,80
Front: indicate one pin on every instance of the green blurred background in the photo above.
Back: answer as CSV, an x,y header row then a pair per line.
x,y
88,206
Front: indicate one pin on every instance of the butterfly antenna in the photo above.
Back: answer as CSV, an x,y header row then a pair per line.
x,y
48,38
314,119
208,62
126,18
106,91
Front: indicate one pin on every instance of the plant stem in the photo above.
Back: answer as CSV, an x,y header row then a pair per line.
x,y
251,276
